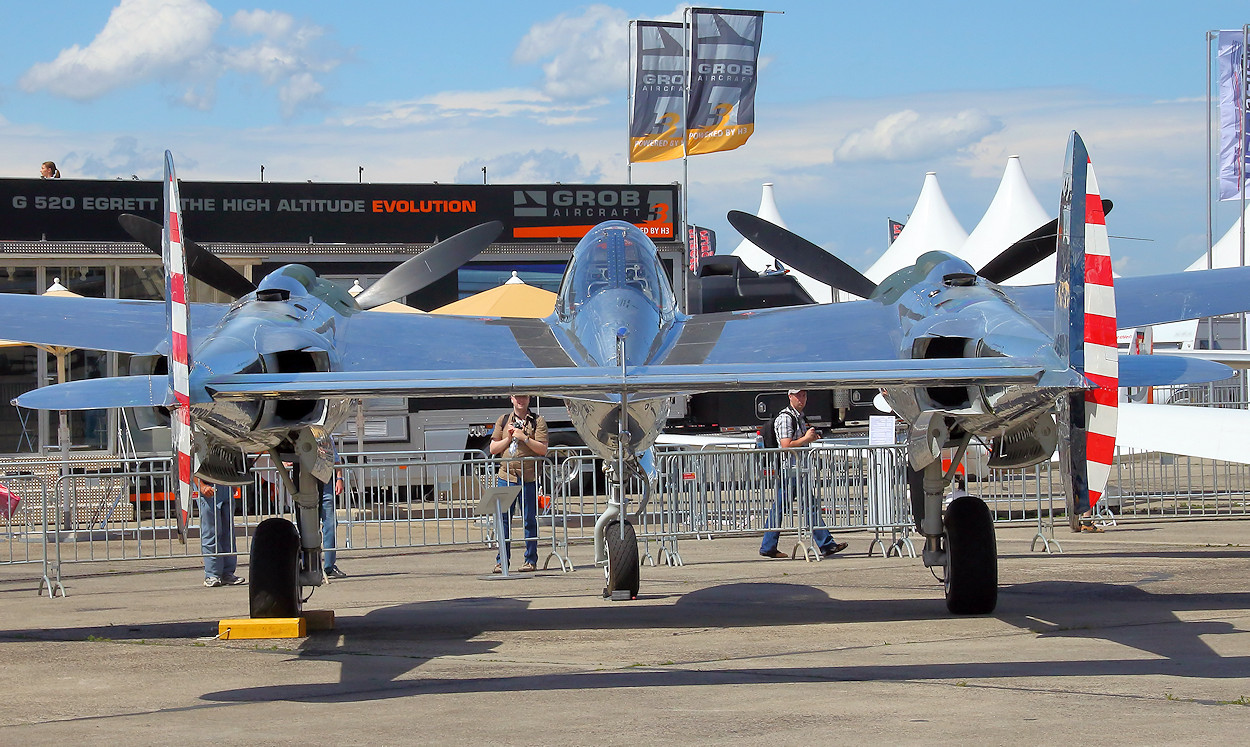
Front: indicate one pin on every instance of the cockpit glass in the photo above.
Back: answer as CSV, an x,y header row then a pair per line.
x,y
615,255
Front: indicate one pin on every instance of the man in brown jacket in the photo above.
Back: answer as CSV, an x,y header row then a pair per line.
x,y
521,437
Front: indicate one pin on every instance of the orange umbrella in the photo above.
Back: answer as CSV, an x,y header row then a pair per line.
x,y
512,299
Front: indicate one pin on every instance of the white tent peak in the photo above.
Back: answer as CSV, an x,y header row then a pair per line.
x,y
1013,214
356,288
514,280
56,287
931,227
1227,251
759,260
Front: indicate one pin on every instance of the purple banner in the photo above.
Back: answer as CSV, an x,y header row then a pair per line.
x,y
1234,133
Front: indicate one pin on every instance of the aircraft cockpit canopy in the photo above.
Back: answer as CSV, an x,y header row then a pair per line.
x,y
297,280
615,255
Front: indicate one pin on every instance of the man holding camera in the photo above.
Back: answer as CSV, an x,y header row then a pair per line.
x,y
521,437
792,431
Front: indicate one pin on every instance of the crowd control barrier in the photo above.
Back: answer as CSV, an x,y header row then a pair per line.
x,y
55,512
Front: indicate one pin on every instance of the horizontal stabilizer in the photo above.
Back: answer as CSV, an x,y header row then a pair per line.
x,y
93,394
592,383
1158,370
1205,432
117,325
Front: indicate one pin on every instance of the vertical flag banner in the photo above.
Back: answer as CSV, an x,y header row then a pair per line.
x,y
701,242
724,59
658,67
1234,133
895,228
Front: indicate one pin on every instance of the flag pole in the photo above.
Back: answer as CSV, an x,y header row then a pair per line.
x,y
629,102
1211,185
688,34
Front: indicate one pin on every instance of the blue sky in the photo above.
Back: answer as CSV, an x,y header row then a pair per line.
x,y
425,91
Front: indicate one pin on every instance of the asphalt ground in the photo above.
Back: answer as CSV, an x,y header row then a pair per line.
x,y
1141,634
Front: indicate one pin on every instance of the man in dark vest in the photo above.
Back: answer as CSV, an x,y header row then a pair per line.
x,y
792,432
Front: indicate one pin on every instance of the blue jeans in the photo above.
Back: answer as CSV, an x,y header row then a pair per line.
x,y
529,519
329,523
217,532
787,487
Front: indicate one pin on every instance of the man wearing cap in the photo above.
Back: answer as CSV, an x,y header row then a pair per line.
x,y
520,436
792,431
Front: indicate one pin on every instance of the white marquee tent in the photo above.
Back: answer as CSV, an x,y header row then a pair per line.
x,y
931,227
1013,214
758,260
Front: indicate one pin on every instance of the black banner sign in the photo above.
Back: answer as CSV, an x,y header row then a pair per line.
x,y
276,212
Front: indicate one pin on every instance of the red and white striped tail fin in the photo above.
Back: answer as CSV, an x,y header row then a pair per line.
x,y
1085,332
1102,355
180,350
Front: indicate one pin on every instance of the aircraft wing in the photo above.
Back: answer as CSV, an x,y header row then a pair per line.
x,y
378,341
111,324
1153,299
852,331
645,381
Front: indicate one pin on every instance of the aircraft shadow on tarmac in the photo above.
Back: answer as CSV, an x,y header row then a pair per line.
x,y
381,646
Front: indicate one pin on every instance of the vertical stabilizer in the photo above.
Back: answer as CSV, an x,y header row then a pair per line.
x,y
180,349
1085,326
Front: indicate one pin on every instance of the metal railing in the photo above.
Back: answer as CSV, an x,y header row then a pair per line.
x,y
87,510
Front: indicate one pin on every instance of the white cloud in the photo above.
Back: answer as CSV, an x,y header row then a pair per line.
x,y
500,103
123,158
289,55
532,167
142,40
175,41
581,55
906,136
584,54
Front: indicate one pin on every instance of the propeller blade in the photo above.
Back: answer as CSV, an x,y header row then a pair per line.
x,y
430,265
1026,252
801,254
202,264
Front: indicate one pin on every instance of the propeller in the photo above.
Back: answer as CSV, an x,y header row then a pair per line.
x,y
430,265
202,264
802,254
1026,252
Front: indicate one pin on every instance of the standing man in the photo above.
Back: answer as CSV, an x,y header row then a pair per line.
x,y
792,431
330,521
521,437
217,535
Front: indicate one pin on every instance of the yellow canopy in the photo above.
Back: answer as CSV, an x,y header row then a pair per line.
x,y
512,299
395,307
56,289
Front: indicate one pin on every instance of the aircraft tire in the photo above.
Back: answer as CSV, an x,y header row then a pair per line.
x,y
623,566
273,590
971,557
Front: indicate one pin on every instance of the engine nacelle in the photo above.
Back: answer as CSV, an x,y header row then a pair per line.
x,y
292,413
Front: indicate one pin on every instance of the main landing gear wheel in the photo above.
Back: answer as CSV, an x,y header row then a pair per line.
x,y
971,557
623,566
274,587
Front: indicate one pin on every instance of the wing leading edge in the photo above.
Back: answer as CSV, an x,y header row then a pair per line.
x,y
647,381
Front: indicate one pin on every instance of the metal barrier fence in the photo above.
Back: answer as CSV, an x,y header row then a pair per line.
x,y
86,510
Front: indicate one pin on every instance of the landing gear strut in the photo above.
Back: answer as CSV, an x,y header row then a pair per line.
x,y
960,541
285,558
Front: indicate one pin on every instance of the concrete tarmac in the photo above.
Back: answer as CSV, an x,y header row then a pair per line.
x,y
1138,635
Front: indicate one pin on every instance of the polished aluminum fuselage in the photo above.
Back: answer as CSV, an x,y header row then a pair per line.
x,y
264,335
946,311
